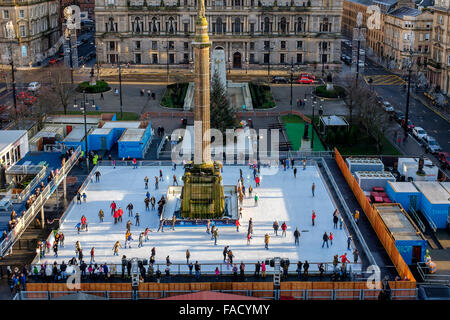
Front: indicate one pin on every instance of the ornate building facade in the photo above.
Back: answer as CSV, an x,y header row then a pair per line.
x,y
36,30
253,33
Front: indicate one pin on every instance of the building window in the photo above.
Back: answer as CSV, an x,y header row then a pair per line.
x,y
171,45
252,46
5,14
266,45
186,58
283,27
252,58
300,25
252,27
237,25
427,36
22,31
154,25
426,49
266,58
137,45
283,44
267,25
154,45
219,26
282,58
299,44
136,25
137,58
171,26
21,14
186,27
299,58
111,26
112,46
171,58
325,26
186,45
155,58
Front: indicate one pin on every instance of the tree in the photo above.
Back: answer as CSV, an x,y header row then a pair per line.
x,y
223,116
354,93
59,89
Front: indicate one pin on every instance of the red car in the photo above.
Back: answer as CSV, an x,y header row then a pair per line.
x,y
444,159
52,61
307,75
306,81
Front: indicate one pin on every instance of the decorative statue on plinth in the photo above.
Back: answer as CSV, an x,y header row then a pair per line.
x,y
305,132
202,195
92,80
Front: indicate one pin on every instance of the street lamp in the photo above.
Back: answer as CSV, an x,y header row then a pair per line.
x,y
67,34
246,65
405,125
312,124
229,65
120,88
83,105
11,35
292,78
268,62
167,47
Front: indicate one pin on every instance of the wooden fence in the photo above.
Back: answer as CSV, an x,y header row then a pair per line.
x,y
383,233
404,290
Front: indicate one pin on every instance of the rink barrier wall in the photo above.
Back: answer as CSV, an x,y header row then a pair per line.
x,y
383,233
295,290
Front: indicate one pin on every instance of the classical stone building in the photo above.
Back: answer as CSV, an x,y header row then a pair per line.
x,y
253,33
36,30
439,65
407,29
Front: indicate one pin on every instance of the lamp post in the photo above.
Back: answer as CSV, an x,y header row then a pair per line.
x,y
11,35
268,62
312,124
292,78
120,89
229,65
167,60
322,50
405,125
83,105
67,33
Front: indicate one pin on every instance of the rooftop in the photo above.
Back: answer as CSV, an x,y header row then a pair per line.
x,y
334,121
446,186
405,12
121,124
433,191
397,222
7,137
101,131
77,134
403,187
132,135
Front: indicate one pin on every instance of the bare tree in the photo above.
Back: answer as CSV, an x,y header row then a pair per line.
x,y
57,88
354,90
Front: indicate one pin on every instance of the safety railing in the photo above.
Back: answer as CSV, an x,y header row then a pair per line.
x,y
24,221
416,218
26,192
348,214
429,278
161,146
276,294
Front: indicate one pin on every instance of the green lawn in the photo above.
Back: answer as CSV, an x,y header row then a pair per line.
x,y
365,147
130,116
295,127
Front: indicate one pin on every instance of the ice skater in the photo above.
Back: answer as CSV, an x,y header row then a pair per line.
x,y
296,237
153,202
97,176
325,239
216,235
313,217
161,225
349,242
335,221
141,240
128,239
331,236
146,233
92,255
225,252
256,200
174,220
137,218
130,209
313,187
249,237
161,176
295,172
283,229
266,241
147,202
113,207
156,182
188,255
116,247
275,227
146,182
304,164
78,198
341,222
237,225
101,215
208,226
356,216
175,181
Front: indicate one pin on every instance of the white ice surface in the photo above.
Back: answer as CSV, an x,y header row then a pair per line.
x,y
281,197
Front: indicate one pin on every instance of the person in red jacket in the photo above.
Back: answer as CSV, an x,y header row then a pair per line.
x,y
116,216
313,217
120,215
257,181
134,163
344,258
330,237
113,207
237,225
84,225
283,228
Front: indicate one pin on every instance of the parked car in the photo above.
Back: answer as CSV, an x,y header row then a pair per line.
x,y
380,99
34,86
361,63
347,60
431,145
409,125
306,81
278,79
419,133
444,159
307,75
387,106
52,61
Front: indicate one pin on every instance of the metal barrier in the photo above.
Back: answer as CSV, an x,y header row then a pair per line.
x,y
25,220
348,213
305,294
428,278
26,192
161,146
419,222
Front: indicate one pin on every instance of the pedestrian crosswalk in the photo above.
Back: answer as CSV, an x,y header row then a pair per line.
x,y
384,80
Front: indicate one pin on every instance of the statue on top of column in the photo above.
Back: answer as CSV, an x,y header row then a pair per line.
x,y
201,9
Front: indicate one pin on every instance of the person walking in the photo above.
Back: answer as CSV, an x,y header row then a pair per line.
x,y
141,240
313,217
305,268
101,215
331,238
295,172
92,255
146,182
174,220
356,216
349,242
188,255
325,239
249,237
283,229
313,188
197,270
257,268
263,269
296,237
97,176
275,228
299,269
237,225
266,241
175,181
355,256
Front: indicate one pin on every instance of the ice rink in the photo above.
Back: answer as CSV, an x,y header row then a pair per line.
x,y
281,197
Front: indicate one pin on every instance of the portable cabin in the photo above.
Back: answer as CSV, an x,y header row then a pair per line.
x,y
434,202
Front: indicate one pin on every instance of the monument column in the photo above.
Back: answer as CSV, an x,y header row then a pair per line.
x,y
201,44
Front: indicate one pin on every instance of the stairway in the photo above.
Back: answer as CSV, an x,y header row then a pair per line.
x,y
276,273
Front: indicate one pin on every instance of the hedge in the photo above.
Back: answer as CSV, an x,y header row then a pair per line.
x,y
174,95
337,92
101,86
261,96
